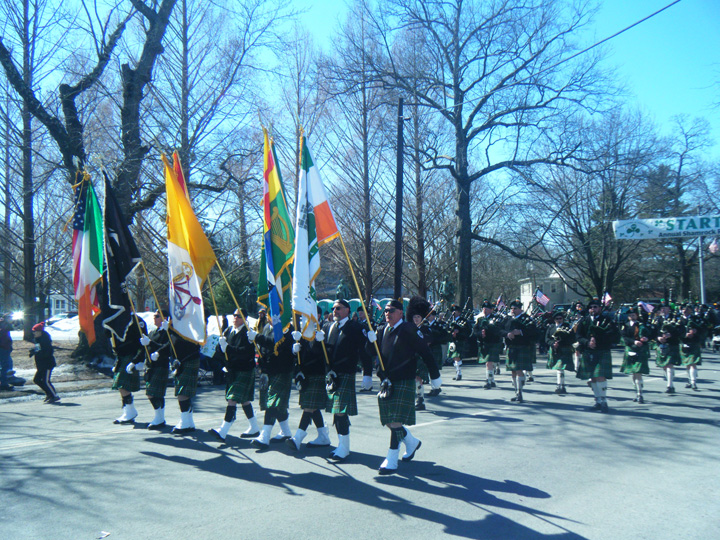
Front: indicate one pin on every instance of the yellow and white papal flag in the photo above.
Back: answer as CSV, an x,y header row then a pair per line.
x,y
190,259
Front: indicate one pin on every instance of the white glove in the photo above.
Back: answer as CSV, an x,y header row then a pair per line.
x,y
252,334
154,356
144,341
436,383
319,335
129,368
140,367
296,348
223,343
372,336
296,335
164,325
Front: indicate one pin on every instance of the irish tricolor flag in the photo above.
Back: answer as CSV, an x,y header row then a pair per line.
x,y
190,259
314,226
87,254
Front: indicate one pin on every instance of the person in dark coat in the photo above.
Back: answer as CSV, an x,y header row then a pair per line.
x,y
44,362
401,343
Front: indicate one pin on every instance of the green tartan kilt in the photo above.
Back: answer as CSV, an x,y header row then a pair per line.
x,y
422,371
186,380
400,406
277,394
438,355
668,356
635,364
520,358
122,380
240,386
343,401
156,382
691,356
313,394
561,359
595,363
490,353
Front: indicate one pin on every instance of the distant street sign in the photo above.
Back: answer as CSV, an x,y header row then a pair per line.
x,y
675,227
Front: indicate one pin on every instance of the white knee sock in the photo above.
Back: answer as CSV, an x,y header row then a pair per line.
x,y
670,374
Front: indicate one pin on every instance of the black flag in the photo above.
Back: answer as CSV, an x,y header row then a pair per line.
x,y
121,258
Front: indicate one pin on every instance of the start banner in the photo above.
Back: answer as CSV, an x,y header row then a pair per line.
x,y
675,227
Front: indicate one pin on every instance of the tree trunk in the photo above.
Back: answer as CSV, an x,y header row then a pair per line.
x,y
464,222
419,213
28,217
7,266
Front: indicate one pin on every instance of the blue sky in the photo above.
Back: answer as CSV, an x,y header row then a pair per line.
x,y
670,63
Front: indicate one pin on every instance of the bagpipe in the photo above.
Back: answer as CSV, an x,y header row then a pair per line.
x,y
603,328
564,335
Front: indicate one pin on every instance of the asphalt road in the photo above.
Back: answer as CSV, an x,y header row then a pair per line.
x,y
487,469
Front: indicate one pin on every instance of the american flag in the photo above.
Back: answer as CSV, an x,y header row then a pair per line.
x,y
606,298
541,298
500,303
647,307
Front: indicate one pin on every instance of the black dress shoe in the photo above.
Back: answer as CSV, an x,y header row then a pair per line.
x,y
365,390
493,384
693,386
334,457
530,378
434,392
279,438
517,399
382,471
249,435
260,446
420,406
604,407
182,431
156,427
411,456
639,399
487,386
688,385
670,390
457,378
596,407
217,435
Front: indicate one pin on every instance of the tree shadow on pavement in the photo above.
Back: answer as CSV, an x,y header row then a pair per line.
x,y
386,493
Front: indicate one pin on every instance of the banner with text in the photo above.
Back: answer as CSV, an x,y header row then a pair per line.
x,y
675,227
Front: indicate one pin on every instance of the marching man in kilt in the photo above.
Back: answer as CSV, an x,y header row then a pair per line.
x,y
158,368
596,334
185,373
310,381
520,334
417,310
126,378
636,337
235,346
668,344
276,368
344,340
692,342
489,337
401,343
559,338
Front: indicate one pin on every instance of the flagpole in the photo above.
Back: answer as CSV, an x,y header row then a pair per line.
x,y
137,322
227,284
157,303
217,316
362,302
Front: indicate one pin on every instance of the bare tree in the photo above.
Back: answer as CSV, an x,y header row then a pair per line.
x,y
497,81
